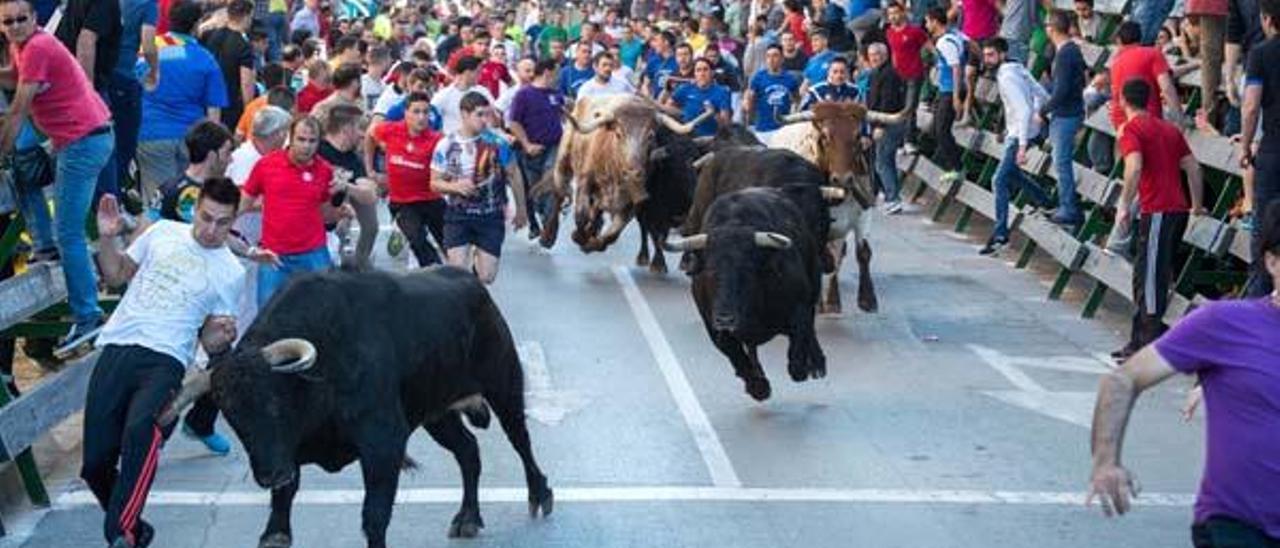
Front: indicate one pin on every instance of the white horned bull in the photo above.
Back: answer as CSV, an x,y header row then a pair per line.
x,y
827,135
603,160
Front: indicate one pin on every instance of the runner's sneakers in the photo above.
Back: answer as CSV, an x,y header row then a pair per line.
x,y
893,208
80,335
994,245
216,443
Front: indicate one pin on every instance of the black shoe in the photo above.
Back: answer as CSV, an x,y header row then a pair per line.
x,y
994,245
142,535
44,256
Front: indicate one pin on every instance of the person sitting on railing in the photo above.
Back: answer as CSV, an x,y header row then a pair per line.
x,y
1155,152
1231,346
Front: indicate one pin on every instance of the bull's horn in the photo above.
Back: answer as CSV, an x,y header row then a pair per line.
x,y
692,243
601,119
702,160
683,129
772,240
887,119
290,355
832,193
195,385
803,116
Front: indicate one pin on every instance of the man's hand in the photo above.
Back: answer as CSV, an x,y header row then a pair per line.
x,y
520,219
152,80
1021,157
1122,216
534,149
465,188
218,333
1246,155
1113,486
1233,94
264,256
110,221
957,104
1193,401
346,212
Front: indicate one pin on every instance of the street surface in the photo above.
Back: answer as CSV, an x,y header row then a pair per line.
x,y
956,416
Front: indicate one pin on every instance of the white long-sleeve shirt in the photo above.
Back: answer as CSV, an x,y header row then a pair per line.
x,y
1022,97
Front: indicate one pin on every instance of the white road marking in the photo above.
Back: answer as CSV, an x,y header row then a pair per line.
x,y
713,453
543,402
1071,407
331,497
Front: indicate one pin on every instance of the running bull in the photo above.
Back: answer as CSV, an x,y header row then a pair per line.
x,y
604,161
759,277
344,366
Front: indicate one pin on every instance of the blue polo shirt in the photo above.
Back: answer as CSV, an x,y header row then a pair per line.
x,y
657,69
191,81
816,69
434,119
133,14
572,78
693,99
772,97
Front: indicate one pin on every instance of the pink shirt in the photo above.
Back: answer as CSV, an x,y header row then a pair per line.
x,y
981,19
65,107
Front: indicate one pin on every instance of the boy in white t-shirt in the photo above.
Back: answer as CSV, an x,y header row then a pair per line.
x,y
184,285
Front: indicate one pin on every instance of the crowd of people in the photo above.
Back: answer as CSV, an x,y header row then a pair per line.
x,y
270,125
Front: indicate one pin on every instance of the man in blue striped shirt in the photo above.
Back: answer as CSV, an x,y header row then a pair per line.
x,y
835,88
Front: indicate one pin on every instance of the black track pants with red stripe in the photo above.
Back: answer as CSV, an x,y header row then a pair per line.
x,y
129,388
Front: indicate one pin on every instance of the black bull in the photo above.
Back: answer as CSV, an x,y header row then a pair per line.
x,y
359,361
759,275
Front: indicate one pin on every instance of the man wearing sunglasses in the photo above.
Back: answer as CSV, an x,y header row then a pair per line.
x,y
50,83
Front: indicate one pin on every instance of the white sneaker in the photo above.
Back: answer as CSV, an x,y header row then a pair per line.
x,y
893,208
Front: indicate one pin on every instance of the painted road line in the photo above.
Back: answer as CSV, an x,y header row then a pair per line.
x,y
713,453
1071,407
1003,365
338,497
543,403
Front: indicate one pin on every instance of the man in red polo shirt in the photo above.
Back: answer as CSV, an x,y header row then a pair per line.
x,y
297,191
905,41
408,145
1155,153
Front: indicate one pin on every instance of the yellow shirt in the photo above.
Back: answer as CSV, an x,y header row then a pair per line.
x,y
698,42
278,6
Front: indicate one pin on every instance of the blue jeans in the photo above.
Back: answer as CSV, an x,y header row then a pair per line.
x,y
79,165
885,160
535,167
277,35
1062,135
108,179
1008,175
270,279
126,110
1150,15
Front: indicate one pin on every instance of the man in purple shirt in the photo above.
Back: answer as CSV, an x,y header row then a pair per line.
x,y
534,120
1234,349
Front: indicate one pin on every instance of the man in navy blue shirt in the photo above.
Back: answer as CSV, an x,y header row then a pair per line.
x,y
835,88
660,63
696,97
770,94
1066,107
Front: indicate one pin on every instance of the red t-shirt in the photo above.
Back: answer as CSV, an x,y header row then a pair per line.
x,y
1162,147
408,162
310,95
795,24
1132,62
904,46
491,74
981,19
291,199
63,89
162,18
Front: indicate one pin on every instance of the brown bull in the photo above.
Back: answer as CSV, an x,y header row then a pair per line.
x,y
828,136
603,160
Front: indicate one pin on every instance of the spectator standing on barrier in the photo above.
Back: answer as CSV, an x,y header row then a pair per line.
x,y
191,88
408,144
1262,103
1017,23
1230,346
293,185
887,93
50,84
473,169
703,94
770,95
534,120
950,52
230,46
836,87
1065,109
1154,152
905,42
1022,97
1210,17
1244,32
183,286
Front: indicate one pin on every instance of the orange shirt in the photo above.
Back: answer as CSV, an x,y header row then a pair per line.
x,y
244,127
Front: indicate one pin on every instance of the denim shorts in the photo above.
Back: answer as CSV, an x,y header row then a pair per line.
x,y
486,234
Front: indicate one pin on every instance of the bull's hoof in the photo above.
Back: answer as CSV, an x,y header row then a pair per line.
x,y
547,240
868,303
830,309
642,260
466,524
817,366
658,267
542,502
276,540
580,237
799,370
759,389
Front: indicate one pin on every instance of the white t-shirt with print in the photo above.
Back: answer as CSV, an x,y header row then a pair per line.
x,y
449,102
178,284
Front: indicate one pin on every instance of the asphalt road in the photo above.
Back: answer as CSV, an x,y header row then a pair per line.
x,y
956,416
